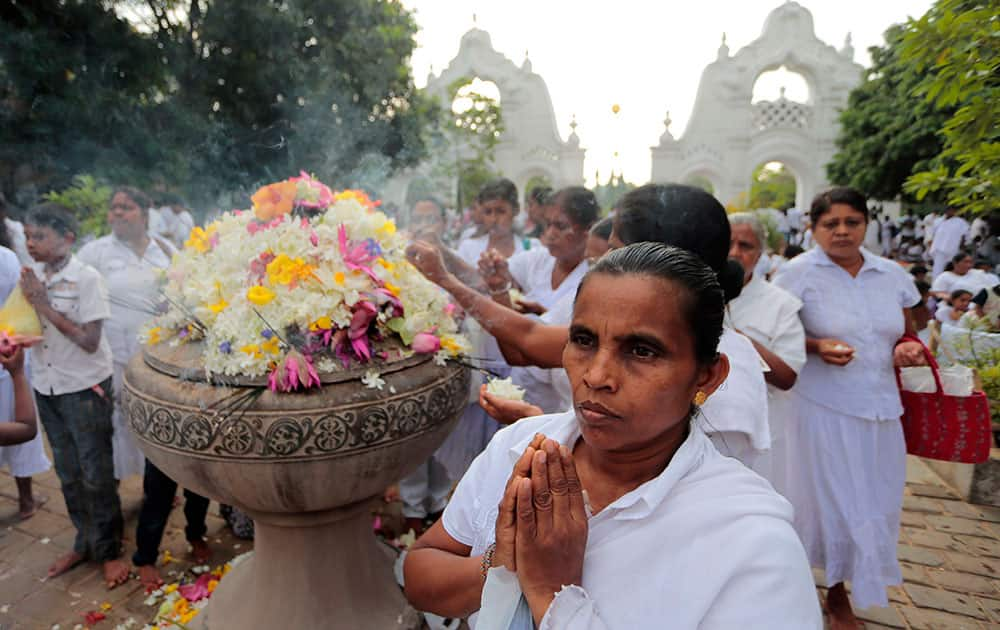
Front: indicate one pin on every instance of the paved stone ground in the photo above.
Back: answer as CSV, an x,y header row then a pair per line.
x,y
949,551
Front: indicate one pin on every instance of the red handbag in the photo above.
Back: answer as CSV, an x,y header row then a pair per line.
x,y
941,426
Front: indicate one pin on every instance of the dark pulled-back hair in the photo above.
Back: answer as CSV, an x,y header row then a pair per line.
x,y
540,194
502,189
705,305
602,229
852,197
579,204
686,217
430,199
53,215
141,199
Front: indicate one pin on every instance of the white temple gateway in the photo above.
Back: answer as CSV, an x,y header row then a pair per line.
x,y
728,135
530,146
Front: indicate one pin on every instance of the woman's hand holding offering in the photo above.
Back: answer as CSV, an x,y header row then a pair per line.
x,y
493,269
835,352
551,523
504,410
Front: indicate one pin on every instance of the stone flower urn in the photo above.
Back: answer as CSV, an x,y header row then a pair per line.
x,y
305,467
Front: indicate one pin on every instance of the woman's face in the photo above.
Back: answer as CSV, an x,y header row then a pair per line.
x,y
840,232
632,367
963,266
564,239
125,217
744,248
497,217
961,303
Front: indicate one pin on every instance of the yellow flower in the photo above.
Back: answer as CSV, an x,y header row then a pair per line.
x,y
449,344
200,239
251,349
274,200
388,266
339,278
389,228
169,588
392,289
211,585
323,323
218,307
288,271
271,346
167,559
260,295
106,606
154,335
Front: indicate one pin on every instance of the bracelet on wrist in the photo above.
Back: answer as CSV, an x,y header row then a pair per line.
x,y
501,290
487,562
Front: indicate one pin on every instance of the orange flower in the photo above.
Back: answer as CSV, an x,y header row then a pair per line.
x,y
357,195
274,200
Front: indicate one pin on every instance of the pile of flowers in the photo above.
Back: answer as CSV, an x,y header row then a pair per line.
x,y
308,281
177,604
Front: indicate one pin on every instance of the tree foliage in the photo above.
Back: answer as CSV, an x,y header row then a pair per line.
x,y
470,128
207,97
772,188
955,49
888,132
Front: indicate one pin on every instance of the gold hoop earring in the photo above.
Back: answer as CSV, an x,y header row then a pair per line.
x,y
700,398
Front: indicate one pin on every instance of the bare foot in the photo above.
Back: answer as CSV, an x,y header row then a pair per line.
x,y
838,605
149,577
29,506
65,563
200,551
115,573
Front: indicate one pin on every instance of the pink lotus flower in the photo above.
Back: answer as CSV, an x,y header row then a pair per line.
x,y
296,372
317,195
198,590
425,343
364,313
357,256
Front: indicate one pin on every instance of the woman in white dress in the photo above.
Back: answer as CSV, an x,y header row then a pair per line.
x,y
947,281
618,514
131,262
544,276
846,454
28,459
683,216
769,317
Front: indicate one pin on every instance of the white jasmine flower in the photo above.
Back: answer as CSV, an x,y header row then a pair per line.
x,y
372,380
505,388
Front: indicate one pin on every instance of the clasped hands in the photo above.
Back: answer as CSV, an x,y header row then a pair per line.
x,y
541,527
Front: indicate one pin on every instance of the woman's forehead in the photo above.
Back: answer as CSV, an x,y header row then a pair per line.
x,y
635,299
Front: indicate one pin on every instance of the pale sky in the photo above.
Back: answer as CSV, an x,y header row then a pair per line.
x,y
646,56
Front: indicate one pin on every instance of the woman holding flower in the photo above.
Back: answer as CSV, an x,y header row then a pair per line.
x,y
846,458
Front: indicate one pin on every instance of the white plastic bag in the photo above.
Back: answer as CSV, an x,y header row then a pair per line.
x,y
956,380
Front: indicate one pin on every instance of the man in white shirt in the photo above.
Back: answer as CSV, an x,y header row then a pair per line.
x,y
947,239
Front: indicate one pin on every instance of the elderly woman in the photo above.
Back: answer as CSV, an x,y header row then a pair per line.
x,y
769,317
131,261
846,454
683,216
607,514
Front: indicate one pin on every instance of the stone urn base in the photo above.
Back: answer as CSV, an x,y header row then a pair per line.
x,y
320,570
306,467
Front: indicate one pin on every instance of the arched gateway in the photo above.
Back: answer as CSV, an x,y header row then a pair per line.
x,y
728,135
530,147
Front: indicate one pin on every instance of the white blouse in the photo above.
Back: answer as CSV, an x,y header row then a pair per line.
x,y
770,316
707,544
865,312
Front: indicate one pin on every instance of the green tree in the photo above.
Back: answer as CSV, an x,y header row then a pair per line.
x,y
955,48
469,129
887,131
772,188
89,200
